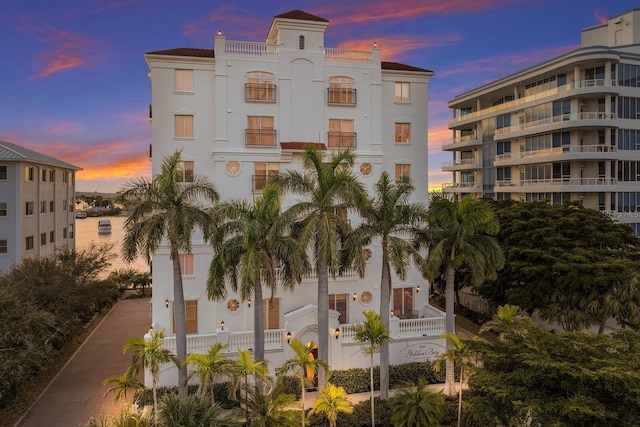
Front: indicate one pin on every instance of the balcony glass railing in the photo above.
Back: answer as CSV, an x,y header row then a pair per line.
x,y
558,150
585,115
557,181
460,162
461,139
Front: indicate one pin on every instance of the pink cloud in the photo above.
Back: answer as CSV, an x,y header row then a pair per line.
x,y
398,46
601,17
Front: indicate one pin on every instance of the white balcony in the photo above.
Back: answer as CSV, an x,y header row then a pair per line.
x,y
461,187
461,164
557,184
233,47
461,142
566,152
347,55
583,119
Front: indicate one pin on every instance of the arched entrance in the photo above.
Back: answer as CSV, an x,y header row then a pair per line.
x,y
313,376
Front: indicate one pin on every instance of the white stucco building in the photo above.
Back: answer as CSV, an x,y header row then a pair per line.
x,y
37,194
565,129
242,112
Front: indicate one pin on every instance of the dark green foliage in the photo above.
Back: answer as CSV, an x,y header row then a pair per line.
x,y
221,391
290,385
44,302
190,412
360,417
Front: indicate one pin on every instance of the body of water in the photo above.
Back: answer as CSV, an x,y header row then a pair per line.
x,y
87,233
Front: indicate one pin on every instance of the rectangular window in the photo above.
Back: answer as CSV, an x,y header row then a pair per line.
x,y
403,169
28,208
341,91
260,131
64,233
3,209
403,303
43,239
29,243
52,236
43,175
65,177
4,246
260,87
28,173
403,132
3,173
402,92
186,170
71,231
184,80
43,207
64,205
186,264
191,316
341,133
503,121
262,173
271,309
184,126
338,302
52,175
52,206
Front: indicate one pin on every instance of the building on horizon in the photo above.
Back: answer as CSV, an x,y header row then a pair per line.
x,y
37,194
242,112
565,129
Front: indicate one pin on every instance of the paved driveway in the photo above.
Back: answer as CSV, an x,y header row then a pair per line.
x,y
76,394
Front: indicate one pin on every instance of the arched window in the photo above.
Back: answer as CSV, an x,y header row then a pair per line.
x,y
301,43
341,90
260,87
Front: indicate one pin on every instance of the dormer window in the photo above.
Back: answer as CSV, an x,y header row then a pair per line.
x,y
301,43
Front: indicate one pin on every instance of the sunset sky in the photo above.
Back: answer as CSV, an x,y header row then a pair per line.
x,y
73,80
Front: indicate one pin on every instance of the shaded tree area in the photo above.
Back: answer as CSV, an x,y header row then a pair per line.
x,y
574,266
44,302
539,378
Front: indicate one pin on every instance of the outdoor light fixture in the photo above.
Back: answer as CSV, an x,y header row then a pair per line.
x,y
249,303
219,32
288,337
355,296
391,313
166,303
375,44
222,325
417,289
337,332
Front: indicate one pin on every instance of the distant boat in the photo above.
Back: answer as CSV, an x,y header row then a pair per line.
x,y
104,226
81,215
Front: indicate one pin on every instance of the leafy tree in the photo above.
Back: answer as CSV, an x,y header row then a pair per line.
x,y
209,368
332,400
192,412
373,335
304,366
270,407
149,354
574,266
251,249
328,190
541,378
393,220
417,406
166,209
459,235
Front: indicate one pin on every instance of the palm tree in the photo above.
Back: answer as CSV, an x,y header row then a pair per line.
x,y
331,401
393,220
304,366
461,353
328,190
373,335
120,385
270,407
149,354
209,368
507,322
459,235
417,406
243,368
251,247
166,209
192,412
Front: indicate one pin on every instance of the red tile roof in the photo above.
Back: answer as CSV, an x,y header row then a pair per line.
x,y
300,15
302,145
401,67
185,51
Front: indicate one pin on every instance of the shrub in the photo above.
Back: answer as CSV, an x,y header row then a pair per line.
x,y
360,417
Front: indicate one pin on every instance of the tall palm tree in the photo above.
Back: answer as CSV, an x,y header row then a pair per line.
x,y
245,367
417,406
168,210
328,190
373,335
462,354
149,354
459,234
304,366
393,220
252,249
331,401
209,368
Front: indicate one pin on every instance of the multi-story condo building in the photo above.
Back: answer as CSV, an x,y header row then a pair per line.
x,y
565,129
243,111
37,194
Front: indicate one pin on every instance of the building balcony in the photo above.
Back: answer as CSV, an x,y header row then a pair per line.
x,y
342,139
260,137
348,55
259,92
461,164
461,142
461,187
243,48
566,152
555,185
341,96
592,119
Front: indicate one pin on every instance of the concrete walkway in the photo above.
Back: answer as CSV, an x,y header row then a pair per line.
x,y
76,394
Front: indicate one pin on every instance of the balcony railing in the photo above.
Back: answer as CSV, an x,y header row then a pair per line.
x,y
342,139
467,138
558,181
250,48
341,96
460,185
600,148
347,55
432,326
264,92
460,162
260,137
586,115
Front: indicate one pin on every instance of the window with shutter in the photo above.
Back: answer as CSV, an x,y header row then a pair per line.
x,y
271,309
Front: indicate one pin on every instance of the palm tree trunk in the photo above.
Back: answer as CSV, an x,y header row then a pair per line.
x,y
323,317
460,398
155,404
602,326
373,411
450,327
302,395
258,323
385,297
180,322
